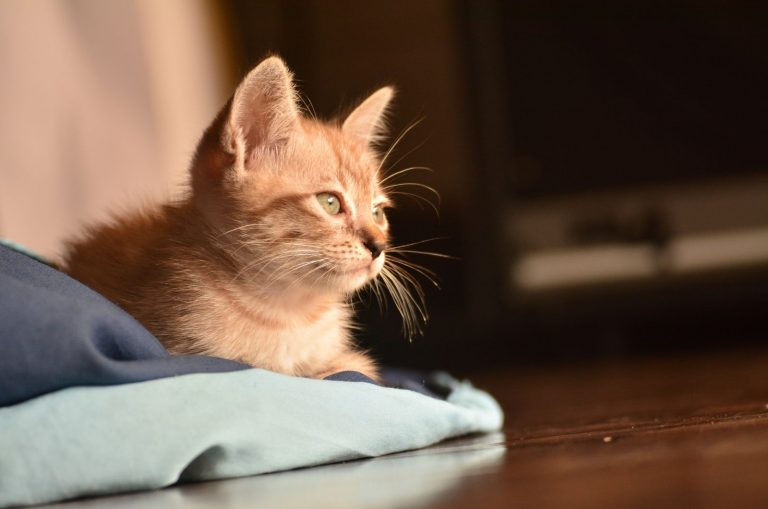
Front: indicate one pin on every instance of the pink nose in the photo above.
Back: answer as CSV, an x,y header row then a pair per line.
x,y
374,247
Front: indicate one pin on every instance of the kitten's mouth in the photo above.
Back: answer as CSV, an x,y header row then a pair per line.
x,y
363,272
359,271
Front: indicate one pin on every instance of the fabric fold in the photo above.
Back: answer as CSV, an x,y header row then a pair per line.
x,y
98,440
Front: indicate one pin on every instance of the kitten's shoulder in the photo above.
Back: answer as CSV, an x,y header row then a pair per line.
x,y
122,233
119,248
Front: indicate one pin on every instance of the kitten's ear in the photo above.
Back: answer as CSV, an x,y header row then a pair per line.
x,y
367,123
263,111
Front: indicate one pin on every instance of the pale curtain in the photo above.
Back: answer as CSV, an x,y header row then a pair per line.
x,y
101,103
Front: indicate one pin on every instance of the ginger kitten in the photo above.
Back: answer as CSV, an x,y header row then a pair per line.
x,y
284,221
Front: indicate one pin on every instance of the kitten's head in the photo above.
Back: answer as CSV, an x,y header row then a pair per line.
x,y
296,202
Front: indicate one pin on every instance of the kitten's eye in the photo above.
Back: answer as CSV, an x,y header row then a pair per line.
x,y
378,214
330,203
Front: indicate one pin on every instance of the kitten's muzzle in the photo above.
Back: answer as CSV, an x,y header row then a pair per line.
x,y
375,247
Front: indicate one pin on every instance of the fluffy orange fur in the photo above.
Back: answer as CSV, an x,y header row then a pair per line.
x,y
252,265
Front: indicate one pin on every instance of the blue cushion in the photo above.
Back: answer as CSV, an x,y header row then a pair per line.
x,y
56,333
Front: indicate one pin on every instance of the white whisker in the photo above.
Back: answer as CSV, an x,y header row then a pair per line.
x,y
400,172
396,142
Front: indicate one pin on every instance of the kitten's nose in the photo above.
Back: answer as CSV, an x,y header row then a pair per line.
x,y
375,247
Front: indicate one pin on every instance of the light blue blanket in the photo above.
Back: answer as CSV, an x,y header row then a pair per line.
x,y
97,440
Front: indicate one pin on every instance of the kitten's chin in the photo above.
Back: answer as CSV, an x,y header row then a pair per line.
x,y
352,280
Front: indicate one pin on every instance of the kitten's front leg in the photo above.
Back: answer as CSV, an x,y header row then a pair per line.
x,y
352,361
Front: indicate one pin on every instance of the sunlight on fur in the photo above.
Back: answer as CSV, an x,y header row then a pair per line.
x,y
284,223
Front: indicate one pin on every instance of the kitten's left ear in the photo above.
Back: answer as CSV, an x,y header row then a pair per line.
x,y
367,123
263,111
262,115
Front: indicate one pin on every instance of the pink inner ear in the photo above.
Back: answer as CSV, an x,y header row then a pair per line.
x,y
252,119
264,108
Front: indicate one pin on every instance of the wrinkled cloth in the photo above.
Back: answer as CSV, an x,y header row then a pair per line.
x,y
98,440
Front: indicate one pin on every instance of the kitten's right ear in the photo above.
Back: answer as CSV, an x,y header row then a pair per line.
x,y
366,124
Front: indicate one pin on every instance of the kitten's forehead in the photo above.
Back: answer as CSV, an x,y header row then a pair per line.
x,y
328,155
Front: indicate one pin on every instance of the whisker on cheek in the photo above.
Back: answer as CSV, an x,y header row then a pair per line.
x,y
264,262
412,309
394,144
425,272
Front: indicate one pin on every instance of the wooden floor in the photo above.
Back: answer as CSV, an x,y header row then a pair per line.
x,y
686,432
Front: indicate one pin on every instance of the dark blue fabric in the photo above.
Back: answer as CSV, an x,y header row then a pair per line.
x,y
56,333
350,376
399,378
413,380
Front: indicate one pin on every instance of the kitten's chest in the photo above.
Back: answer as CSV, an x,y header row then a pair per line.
x,y
298,341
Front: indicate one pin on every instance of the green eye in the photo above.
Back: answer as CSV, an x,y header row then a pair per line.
x,y
330,203
378,214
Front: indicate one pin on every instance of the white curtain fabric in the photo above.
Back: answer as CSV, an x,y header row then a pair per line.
x,y
101,104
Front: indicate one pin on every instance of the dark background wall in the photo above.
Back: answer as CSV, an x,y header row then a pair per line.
x,y
632,131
